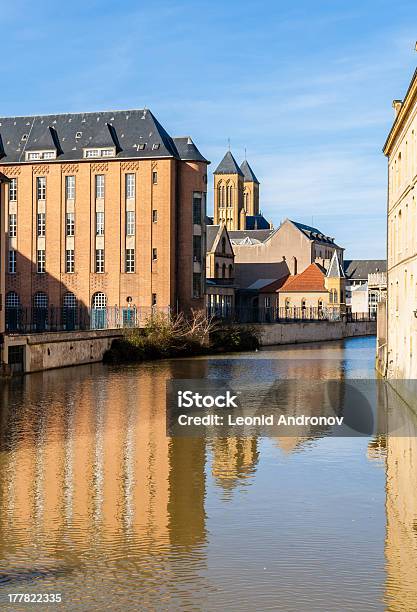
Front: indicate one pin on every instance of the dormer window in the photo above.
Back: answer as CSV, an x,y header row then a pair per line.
x,y
100,152
37,155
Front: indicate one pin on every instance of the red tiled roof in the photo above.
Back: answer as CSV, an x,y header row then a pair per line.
x,y
312,279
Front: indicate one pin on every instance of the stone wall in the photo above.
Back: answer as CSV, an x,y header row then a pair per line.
x,y
313,331
57,350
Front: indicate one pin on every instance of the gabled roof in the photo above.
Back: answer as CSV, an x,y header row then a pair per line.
x,y
213,235
137,133
335,269
228,165
248,173
311,280
358,269
257,222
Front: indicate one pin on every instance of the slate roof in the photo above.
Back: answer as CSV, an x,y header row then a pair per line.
x,y
268,284
311,280
248,173
257,222
187,149
228,165
358,269
335,269
136,133
211,233
257,236
313,233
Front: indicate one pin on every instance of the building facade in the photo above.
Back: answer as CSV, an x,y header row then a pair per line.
x,y
3,194
401,151
236,196
366,284
220,273
104,210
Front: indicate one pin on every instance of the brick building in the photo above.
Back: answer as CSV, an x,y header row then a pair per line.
x,y
103,209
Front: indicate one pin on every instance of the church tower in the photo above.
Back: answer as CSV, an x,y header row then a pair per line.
x,y
335,283
228,194
250,190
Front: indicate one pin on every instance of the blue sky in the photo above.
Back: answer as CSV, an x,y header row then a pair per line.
x,y
306,87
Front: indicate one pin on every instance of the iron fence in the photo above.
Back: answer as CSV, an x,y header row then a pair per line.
x,y
54,319
285,315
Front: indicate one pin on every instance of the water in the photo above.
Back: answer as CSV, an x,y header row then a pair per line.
x,y
96,503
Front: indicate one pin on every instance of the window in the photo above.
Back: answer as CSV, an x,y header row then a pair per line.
x,y
99,300
12,262
224,270
153,299
154,216
40,300
40,262
70,187
100,152
69,261
130,260
41,224
13,190
130,185
223,245
197,208
154,254
41,187
130,222
12,225
197,248
12,300
154,177
155,146
99,223
196,286
100,260
70,224
230,271
35,155
69,300
99,186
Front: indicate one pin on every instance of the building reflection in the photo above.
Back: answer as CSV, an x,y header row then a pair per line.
x,y
86,466
401,510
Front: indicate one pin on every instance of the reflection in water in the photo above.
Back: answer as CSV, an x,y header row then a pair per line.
x,y
98,503
401,510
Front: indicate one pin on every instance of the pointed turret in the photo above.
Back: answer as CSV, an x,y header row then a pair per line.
x,y
250,190
228,165
228,194
335,284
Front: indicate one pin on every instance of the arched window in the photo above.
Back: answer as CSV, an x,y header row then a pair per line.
x,y
12,300
320,305
224,270
303,303
12,311
98,311
223,245
229,195
69,300
40,300
287,303
230,271
40,311
69,311
99,300
216,270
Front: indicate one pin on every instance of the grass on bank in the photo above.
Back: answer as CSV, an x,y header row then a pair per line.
x,y
166,336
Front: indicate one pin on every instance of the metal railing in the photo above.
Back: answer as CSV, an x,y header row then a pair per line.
x,y
54,319
285,315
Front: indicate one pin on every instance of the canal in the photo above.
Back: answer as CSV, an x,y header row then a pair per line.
x,y
99,505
